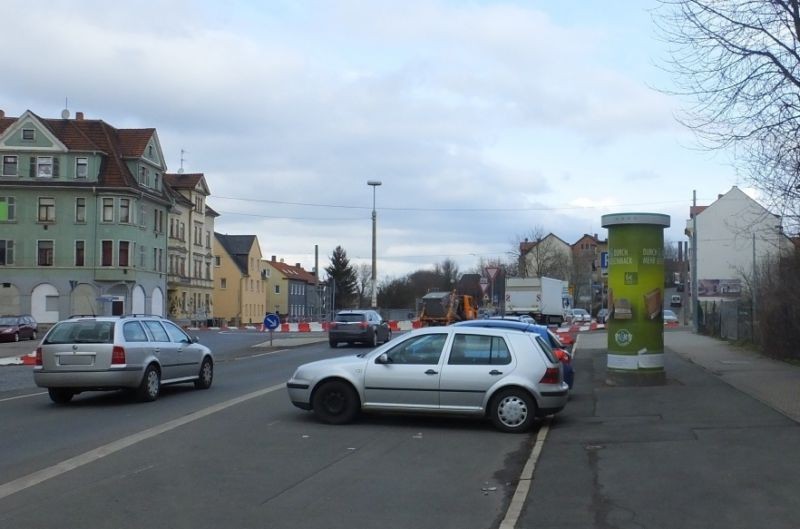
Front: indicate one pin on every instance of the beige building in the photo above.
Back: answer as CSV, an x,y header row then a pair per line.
x,y
190,257
240,280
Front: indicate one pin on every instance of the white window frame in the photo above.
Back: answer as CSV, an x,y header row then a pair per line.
x,y
75,253
42,163
81,162
52,248
32,134
16,165
78,220
127,218
103,210
50,207
9,248
11,204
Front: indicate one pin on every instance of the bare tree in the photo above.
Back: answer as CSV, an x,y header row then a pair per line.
x,y
363,284
541,255
738,63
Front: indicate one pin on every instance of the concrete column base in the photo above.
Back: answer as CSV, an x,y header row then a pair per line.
x,y
636,378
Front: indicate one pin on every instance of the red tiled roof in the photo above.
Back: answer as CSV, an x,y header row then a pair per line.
x,y
184,180
134,141
293,272
695,210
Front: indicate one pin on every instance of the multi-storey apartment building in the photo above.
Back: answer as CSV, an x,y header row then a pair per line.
x,y
293,291
190,252
240,280
83,218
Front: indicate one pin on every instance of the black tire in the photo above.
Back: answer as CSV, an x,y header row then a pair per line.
x,y
33,335
60,395
512,410
150,386
374,341
206,375
388,336
16,336
333,343
335,402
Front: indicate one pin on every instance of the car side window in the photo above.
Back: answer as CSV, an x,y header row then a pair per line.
x,y
424,350
175,333
133,332
158,332
474,349
548,350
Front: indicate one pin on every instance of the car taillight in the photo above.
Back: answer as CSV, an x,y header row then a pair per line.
x,y
551,376
332,325
39,356
118,355
363,325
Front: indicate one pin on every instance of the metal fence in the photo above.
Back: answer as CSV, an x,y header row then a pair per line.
x,y
727,319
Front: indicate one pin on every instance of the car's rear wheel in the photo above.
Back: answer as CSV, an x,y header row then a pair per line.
x,y
374,341
150,386
16,336
60,395
388,336
33,335
335,402
513,410
206,375
333,343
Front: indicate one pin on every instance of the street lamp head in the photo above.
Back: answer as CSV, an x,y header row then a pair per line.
x,y
374,182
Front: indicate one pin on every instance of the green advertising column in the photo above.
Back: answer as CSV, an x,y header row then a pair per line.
x,y
636,297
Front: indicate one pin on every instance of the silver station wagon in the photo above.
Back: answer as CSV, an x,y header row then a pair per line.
x,y
119,352
500,373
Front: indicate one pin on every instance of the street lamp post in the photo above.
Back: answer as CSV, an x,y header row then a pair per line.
x,y
374,184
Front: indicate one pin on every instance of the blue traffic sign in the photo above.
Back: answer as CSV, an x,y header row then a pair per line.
x,y
603,259
272,321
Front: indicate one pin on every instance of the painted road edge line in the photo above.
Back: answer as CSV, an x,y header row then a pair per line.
x,y
525,479
25,482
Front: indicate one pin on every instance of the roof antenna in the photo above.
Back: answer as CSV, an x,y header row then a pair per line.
x,y
180,171
65,112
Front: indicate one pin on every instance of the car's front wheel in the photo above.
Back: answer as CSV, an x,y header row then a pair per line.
x,y
60,395
333,343
388,336
33,335
374,341
513,410
335,402
206,375
16,336
150,386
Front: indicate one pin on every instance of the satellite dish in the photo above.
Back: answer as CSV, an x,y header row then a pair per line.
x,y
180,171
65,114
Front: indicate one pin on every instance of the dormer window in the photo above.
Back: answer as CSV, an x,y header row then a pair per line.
x,y
143,175
81,167
150,151
28,135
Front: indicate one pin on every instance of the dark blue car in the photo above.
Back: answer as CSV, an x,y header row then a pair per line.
x,y
548,337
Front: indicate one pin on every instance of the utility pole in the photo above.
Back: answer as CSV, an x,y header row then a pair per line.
x,y
693,293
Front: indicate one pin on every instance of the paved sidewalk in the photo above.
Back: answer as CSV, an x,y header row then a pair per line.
x,y
773,382
714,447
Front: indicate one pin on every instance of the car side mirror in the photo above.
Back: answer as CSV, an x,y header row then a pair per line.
x,y
195,339
383,359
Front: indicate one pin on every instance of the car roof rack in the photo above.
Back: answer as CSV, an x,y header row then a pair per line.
x,y
75,316
137,315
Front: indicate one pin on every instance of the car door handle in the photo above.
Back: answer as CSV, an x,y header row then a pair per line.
x,y
495,372
431,372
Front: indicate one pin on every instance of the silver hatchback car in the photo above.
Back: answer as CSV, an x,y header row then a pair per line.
x,y
119,352
500,373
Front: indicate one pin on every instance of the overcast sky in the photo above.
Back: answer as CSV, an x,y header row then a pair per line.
x,y
483,120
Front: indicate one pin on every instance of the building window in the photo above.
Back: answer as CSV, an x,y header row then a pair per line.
x,y
80,210
107,256
81,167
150,151
143,175
8,209
80,253
6,252
124,210
208,270
124,253
47,209
28,135
217,260
141,256
277,289
10,166
46,167
223,283
208,239
44,253
108,210
157,181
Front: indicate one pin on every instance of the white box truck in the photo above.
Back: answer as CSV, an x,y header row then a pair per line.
x,y
543,298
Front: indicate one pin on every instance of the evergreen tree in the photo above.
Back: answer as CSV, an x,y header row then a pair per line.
x,y
344,278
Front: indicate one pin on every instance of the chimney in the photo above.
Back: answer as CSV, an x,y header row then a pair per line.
x,y
78,116
595,236
297,265
273,258
2,114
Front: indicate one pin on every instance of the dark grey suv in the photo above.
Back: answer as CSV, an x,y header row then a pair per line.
x,y
362,326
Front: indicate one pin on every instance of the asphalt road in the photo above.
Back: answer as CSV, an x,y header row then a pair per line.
x,y
240,455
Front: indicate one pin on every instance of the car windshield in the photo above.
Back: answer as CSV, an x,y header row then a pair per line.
x,y
5,322
350,317
81,332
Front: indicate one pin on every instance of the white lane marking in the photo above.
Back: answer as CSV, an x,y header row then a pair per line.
x,y
25,482
23,396
525,479
260,354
